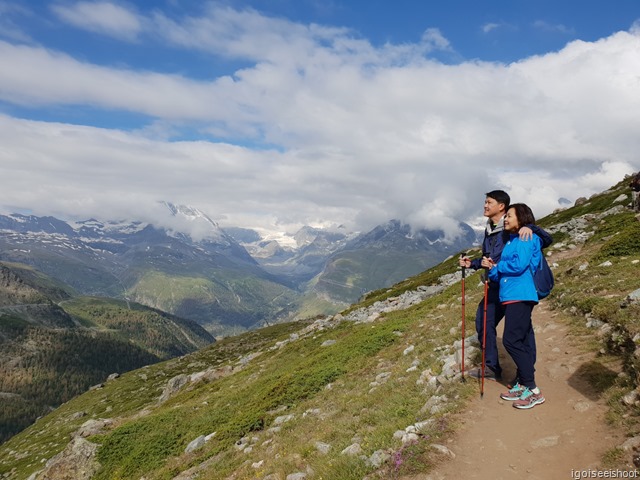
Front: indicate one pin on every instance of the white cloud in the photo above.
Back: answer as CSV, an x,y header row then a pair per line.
x,y
9,27
495,26
360,134
102,17
553,27
488,27
434,37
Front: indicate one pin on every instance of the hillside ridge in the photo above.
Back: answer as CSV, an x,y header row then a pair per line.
x,y
54,346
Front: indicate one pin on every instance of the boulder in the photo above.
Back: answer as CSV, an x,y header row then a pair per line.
x,y
76,462
173,386
93,427
196,444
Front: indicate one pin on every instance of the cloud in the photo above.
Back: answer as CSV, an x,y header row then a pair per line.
x,y
319,127
434,37
102,17
488,27
553,27
9,26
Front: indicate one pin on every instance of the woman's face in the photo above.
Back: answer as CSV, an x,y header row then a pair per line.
x,y
511,221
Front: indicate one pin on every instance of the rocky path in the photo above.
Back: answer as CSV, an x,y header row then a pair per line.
x,y
551,441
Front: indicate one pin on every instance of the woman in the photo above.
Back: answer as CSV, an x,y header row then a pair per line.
x,y
518,294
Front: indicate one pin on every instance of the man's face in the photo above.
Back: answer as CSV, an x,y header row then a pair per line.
x,y
492,208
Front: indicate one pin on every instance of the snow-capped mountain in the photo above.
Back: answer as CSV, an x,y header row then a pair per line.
x,y
385,255
188,220
225,279
295,258
340,266
205,276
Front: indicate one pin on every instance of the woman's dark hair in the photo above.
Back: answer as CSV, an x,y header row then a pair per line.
x,y
523,214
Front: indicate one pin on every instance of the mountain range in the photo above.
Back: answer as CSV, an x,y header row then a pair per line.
x,y
227,280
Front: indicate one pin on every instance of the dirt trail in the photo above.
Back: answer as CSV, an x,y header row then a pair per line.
x,y
567,432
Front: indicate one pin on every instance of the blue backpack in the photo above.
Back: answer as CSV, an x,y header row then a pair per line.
x,y
543,278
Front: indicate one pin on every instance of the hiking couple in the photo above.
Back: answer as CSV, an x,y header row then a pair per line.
x,y
511,251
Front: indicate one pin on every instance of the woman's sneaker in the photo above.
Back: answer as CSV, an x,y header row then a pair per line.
x,y
514,393
528,399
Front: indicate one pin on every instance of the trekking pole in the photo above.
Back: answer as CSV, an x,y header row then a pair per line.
x,y
463,319
484,332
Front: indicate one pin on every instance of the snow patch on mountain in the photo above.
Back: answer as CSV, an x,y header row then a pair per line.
x,y
185,219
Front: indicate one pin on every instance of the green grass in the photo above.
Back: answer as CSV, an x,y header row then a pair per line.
x,y
248,300
159,333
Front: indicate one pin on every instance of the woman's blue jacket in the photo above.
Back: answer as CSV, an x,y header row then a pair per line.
x,y
515,269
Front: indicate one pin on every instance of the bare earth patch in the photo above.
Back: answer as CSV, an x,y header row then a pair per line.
x,y
566,433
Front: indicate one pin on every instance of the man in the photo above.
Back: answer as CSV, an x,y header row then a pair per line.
x,y
495,237
635,192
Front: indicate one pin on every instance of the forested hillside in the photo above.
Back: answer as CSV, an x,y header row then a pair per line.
x,y
50,352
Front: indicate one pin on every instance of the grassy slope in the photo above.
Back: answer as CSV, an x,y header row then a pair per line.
x,y
294,379
227,302
351,273
159,333
49,287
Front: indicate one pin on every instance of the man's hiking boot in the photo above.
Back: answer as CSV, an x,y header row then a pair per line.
x,y
528,399
514,393
488,374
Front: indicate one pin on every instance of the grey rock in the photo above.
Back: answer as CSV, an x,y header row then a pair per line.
x,y
634,297
631,444
378,458
443,450
196,444
173,386
409,438
77,415
93,427
594,323
323,448
297,476
283,419
631,398
77,461
352,450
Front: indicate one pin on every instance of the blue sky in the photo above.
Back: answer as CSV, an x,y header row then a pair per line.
x,y
276,114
